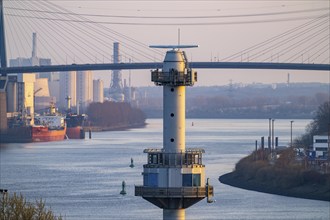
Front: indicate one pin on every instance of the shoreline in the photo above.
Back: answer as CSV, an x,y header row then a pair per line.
x,y
304,191
114,128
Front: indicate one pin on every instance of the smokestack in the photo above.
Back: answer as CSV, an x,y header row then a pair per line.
x,y
116,56
34,44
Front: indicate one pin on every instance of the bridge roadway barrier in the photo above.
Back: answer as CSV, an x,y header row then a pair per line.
x,y
197,65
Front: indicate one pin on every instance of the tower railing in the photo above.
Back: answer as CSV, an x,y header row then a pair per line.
x,y
174,192
174,77
160,158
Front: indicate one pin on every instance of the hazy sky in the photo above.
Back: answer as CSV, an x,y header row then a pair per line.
x,y
241,26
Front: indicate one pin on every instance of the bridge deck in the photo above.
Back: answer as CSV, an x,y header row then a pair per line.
x,y
196,65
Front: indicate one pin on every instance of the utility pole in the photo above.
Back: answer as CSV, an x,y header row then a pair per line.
x,y
291,132
269,135
273,135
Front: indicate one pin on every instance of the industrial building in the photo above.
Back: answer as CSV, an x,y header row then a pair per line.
x,y
321,145
42,98
68,88
116,87
98,93
20,95
34,60
84,90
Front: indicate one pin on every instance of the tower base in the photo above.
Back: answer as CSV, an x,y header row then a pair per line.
x,y
172,198
174,214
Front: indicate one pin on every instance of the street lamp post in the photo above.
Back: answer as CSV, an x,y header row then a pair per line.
x,y
269,135
291,122
273,147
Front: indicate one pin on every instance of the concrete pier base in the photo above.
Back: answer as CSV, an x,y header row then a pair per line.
x,y
174,214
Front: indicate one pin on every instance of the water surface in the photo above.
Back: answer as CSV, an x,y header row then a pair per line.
x,y
81,179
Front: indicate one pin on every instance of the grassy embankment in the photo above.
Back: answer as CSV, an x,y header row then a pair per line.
x,y
283,176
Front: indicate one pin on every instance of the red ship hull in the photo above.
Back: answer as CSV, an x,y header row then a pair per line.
x,y
44,134
31,134
75,132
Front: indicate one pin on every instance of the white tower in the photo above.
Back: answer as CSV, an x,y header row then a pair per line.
x,y
174,178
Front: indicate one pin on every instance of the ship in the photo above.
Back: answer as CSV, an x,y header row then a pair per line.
x,y
46,128
74,123
33,133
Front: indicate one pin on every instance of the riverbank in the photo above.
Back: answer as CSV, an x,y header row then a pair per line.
x,y
285,176
120,127
308,191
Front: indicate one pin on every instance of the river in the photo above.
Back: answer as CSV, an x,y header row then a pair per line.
x,y
81,179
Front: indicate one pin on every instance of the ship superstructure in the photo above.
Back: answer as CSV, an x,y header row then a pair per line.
x,y
174,176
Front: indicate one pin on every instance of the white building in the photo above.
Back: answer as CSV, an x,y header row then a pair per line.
x,y
54,91
42,98
68,88
41,87
25,94
320,145
98,94
84,90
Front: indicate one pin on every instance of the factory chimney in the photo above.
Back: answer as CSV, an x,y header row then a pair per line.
x,y
34,45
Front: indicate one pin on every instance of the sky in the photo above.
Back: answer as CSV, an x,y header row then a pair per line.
x,y
220,28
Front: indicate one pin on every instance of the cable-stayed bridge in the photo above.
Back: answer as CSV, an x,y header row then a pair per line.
x,y
77,39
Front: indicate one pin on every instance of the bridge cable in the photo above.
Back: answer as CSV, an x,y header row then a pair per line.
x,y
238,54
110,30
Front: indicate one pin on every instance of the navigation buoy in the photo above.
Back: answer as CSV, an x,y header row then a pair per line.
x,y
123,188
132,163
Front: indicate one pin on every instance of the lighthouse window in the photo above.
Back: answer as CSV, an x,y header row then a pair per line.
x,y
172,89
196,180
191,180
172,115
167,159
150,179
153,158
186,179
196,157
188,159
172,139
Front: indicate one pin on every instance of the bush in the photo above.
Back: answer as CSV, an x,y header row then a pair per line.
x,y
314,177
16,207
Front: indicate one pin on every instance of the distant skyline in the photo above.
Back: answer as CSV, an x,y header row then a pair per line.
x,y
241,26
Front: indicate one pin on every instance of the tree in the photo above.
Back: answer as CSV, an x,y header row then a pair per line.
x,y
16,207
319,125
321,121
